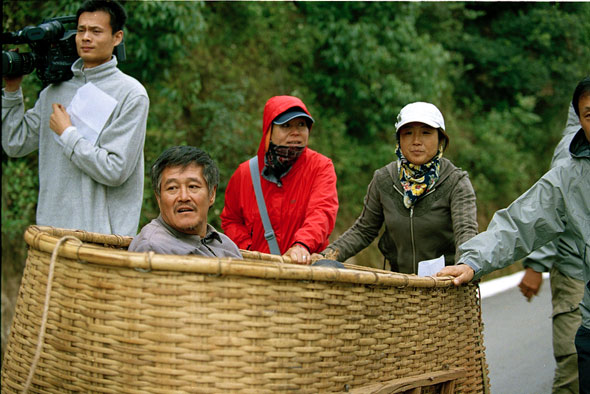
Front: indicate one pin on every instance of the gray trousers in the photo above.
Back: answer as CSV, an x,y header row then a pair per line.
x,y
566,294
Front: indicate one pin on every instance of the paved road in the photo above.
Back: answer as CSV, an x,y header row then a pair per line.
x,y
517,337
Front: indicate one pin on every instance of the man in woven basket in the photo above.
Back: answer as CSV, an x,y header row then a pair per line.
x,y
558,203
184,180
89,131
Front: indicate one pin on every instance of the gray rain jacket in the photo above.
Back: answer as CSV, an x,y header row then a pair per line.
x,y
558,202
561,253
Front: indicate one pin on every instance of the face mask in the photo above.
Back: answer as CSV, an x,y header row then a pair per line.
x,y
280,158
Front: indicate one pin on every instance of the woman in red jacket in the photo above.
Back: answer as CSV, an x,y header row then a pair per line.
x,y
298,185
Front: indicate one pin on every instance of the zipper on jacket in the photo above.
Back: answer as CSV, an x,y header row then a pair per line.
x,y
414,264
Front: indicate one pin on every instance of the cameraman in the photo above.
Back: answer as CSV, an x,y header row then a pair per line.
x,y
93,184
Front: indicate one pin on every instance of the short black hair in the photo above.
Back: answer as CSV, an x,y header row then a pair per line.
x,y
582,90
111,7
183,156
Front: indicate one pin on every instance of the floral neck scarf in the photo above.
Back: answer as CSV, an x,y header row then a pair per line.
x,y
280,158
417,179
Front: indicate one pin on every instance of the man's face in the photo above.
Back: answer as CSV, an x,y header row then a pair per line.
x,y
293,133
95,40
584,107
184,199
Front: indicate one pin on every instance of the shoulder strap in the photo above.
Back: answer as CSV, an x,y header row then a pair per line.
x,y
269,233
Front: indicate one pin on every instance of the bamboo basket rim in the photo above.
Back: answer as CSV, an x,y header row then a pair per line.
x,y
254,264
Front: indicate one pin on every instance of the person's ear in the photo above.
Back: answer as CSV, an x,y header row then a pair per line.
x,y
212,196
118,37
158,200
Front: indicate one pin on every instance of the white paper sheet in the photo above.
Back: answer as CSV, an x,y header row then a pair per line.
x,y
89,111
431,267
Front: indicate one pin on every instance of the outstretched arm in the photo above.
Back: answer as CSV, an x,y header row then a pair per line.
x,y
365,228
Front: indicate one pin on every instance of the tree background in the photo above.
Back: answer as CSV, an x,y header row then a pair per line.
x,y
501,73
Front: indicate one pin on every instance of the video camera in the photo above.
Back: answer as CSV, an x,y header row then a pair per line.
x,y
53,50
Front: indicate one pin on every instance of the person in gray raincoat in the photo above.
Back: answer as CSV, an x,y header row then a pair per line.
x,y
562,260
558,202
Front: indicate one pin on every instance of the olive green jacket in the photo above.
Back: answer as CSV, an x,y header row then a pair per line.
x,y
438,222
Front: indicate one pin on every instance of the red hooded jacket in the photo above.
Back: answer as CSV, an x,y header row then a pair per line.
x,y
303,209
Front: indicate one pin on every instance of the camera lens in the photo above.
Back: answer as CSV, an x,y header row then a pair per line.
x,y
15,64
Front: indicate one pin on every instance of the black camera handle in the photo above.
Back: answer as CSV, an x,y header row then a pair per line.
x,y
61,19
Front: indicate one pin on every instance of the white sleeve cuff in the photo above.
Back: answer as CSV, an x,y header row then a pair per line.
x,y
62,139
68,130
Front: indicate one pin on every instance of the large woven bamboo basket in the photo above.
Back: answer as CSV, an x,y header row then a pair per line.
x,y
93,317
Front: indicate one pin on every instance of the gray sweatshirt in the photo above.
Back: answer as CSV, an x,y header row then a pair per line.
x,y
94,187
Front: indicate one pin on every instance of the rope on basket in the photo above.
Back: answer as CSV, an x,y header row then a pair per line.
x,y
149,256
41,337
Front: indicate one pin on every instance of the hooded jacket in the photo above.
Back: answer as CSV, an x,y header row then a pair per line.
x,y
302,205
438,222
556,203
561,253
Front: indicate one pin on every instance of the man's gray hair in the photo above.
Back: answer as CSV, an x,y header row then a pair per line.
x,y
183,156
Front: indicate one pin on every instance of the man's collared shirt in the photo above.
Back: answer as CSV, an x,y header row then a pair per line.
x,y
159,237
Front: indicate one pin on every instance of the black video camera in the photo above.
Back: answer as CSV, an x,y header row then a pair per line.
x,y
53,50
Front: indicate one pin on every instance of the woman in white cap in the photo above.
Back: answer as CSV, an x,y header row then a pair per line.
x,y
427,204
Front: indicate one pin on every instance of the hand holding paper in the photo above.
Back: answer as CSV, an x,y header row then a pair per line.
x,y
59,119
89,111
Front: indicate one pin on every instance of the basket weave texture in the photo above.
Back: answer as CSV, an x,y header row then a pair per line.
x,y
122,322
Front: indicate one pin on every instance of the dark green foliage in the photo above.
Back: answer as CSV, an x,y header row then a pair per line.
x,y
158,34
502,74
19,197
371,60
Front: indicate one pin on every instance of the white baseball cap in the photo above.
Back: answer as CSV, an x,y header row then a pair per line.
x,y
420,112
